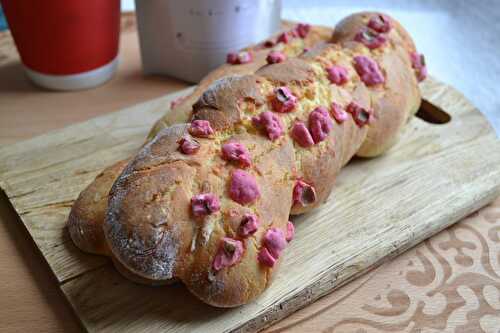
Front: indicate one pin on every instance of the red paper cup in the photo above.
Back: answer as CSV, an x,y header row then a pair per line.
x,y
66,45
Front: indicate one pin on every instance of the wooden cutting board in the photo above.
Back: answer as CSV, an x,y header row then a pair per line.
x,y
436,174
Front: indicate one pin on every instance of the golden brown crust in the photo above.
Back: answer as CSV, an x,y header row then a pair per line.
x,y
349,26
183,111
127,273
343,142
149,226
140,241
220,103
297,71
87,214
400,97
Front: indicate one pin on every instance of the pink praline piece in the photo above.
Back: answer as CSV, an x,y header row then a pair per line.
x,y
201,128
204,204
380,23
271,123
361,115
189,146
232,58
301,135
368,70
265,257
229,253
275,57
249,225
275,241
302,29
337,75
285,38
338,113
370,39
283,101
240,58
236,152
243,187
304,194
418,64
320,124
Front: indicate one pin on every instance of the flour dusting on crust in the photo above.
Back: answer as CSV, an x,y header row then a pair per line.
x,y
147,249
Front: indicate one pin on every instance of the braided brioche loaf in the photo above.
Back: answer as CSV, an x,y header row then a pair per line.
x,y
207,202
87,214
290,43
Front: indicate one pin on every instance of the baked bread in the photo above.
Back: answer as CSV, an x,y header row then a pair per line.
x,y
289,43
87,215
208,202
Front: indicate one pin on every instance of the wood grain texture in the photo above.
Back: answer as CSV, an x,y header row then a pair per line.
x,y
448,283
31,299
436,175
43,176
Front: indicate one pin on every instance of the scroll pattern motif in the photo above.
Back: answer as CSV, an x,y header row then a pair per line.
x,y
449,283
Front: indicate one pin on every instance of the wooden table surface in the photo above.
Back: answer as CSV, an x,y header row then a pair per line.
x,y
418,290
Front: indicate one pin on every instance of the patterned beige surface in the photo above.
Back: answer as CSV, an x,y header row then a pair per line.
x,y
449,283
